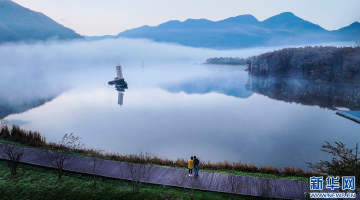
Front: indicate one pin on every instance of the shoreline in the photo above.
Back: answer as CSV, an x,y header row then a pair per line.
x,y
224,167
30,139
172,177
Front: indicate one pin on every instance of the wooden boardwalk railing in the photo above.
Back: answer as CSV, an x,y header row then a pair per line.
x,y
252,186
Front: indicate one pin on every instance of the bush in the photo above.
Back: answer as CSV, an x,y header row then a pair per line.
x,y
345,163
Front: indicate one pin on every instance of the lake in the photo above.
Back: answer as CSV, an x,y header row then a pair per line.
x,y
174,107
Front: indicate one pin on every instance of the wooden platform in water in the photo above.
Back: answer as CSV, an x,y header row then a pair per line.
x,y
352,115
252,186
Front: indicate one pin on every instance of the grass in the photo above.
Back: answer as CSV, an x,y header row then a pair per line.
x,y
134,159
294,178
33,182
126,158
41,183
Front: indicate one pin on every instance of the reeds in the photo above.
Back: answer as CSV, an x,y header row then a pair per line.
x,y
35,139
269,170
292,171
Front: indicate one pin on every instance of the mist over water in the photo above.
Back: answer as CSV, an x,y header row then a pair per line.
x,y
174,106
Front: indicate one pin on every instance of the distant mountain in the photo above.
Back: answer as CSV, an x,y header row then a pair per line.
x,y
351,31
243,31
21,24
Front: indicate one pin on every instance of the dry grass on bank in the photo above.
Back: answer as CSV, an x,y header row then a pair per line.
x,y
35,139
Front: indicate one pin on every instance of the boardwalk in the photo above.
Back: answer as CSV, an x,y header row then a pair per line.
x,y
245,185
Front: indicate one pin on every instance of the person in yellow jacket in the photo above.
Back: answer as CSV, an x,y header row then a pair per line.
x,y
191,165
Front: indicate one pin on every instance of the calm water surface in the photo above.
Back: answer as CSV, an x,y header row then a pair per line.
x,y
173,108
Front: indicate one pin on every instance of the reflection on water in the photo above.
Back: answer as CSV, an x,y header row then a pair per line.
x,y
212,115
12,107
174,109
121,91
142,66
21,91
121,98
306,92
231,85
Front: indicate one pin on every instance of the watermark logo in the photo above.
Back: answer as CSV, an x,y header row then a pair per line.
x,y
316,183
348,182
332,183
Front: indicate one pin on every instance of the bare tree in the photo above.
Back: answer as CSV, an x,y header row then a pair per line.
x,y
96,156
140,172
59,154
13,155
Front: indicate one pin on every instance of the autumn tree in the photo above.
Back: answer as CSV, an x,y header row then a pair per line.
x,y
59,155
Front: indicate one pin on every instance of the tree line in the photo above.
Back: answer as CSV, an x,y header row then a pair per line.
x,y
325,63
226,61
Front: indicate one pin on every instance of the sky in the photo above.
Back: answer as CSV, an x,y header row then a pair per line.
x,y
110,17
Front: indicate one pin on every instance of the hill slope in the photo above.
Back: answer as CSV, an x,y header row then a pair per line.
x,y
243,31
21,24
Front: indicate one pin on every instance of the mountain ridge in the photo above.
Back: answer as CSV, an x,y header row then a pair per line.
x,y
243,31
18,23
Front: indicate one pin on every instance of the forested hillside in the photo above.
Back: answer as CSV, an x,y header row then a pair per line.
x,y
338,64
